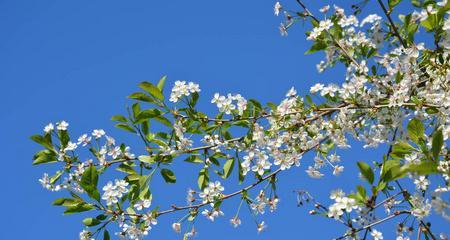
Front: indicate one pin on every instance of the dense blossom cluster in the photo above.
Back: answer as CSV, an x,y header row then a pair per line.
x,y
181,89
394,91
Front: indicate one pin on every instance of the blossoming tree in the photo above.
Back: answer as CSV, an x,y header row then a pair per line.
x,y
394,92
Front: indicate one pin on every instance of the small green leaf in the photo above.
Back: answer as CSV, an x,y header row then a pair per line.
x,y
89,181
161,83
194,159
401,149
44,156
203,178
141,97
437,142
228,168
125,127
393,3
119,118
416,130
45,141
82,207
147,114
152,90
168,175
423,168
66,202
366,171
106,235
90,222
147,159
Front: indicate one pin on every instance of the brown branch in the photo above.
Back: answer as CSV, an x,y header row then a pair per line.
x,y
392,24
395,214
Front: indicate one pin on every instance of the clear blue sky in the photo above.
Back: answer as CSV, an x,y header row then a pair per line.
x,y
78,60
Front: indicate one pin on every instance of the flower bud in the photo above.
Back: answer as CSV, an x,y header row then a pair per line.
x,y
176,227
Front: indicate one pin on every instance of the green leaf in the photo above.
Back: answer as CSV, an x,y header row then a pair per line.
x,y
203,178
126,169
141,97
161,83
437,142
82,207
194,159
152,90
228,168
147,114
317,46
391,170
168,175
125,127
45,141
393,3
89,181
147,159
63,136
164,121
106,235
416,130
66,202
44,156
119,118
55,177
366,171
401,149
416,3
90,222
423,168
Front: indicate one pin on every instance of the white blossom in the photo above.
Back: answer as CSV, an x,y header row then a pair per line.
x,y
49,127
62,126
377,235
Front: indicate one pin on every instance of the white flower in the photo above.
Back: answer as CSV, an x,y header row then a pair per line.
x,y
261,226
70,146
227,104
422,183
337,194
325,24
314,173
210,192
113,192
291,93
338,170
98,133
235,222
347,204
84,140
181,89
176,227
132,232
49,128
316,88
334,211
62,126
46,183
115,152
376,234
325,9
211,215
139,205
277,8
262,164
283,30
149,219
85,235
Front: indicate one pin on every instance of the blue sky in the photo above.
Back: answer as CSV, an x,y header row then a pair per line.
x,y
78,60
